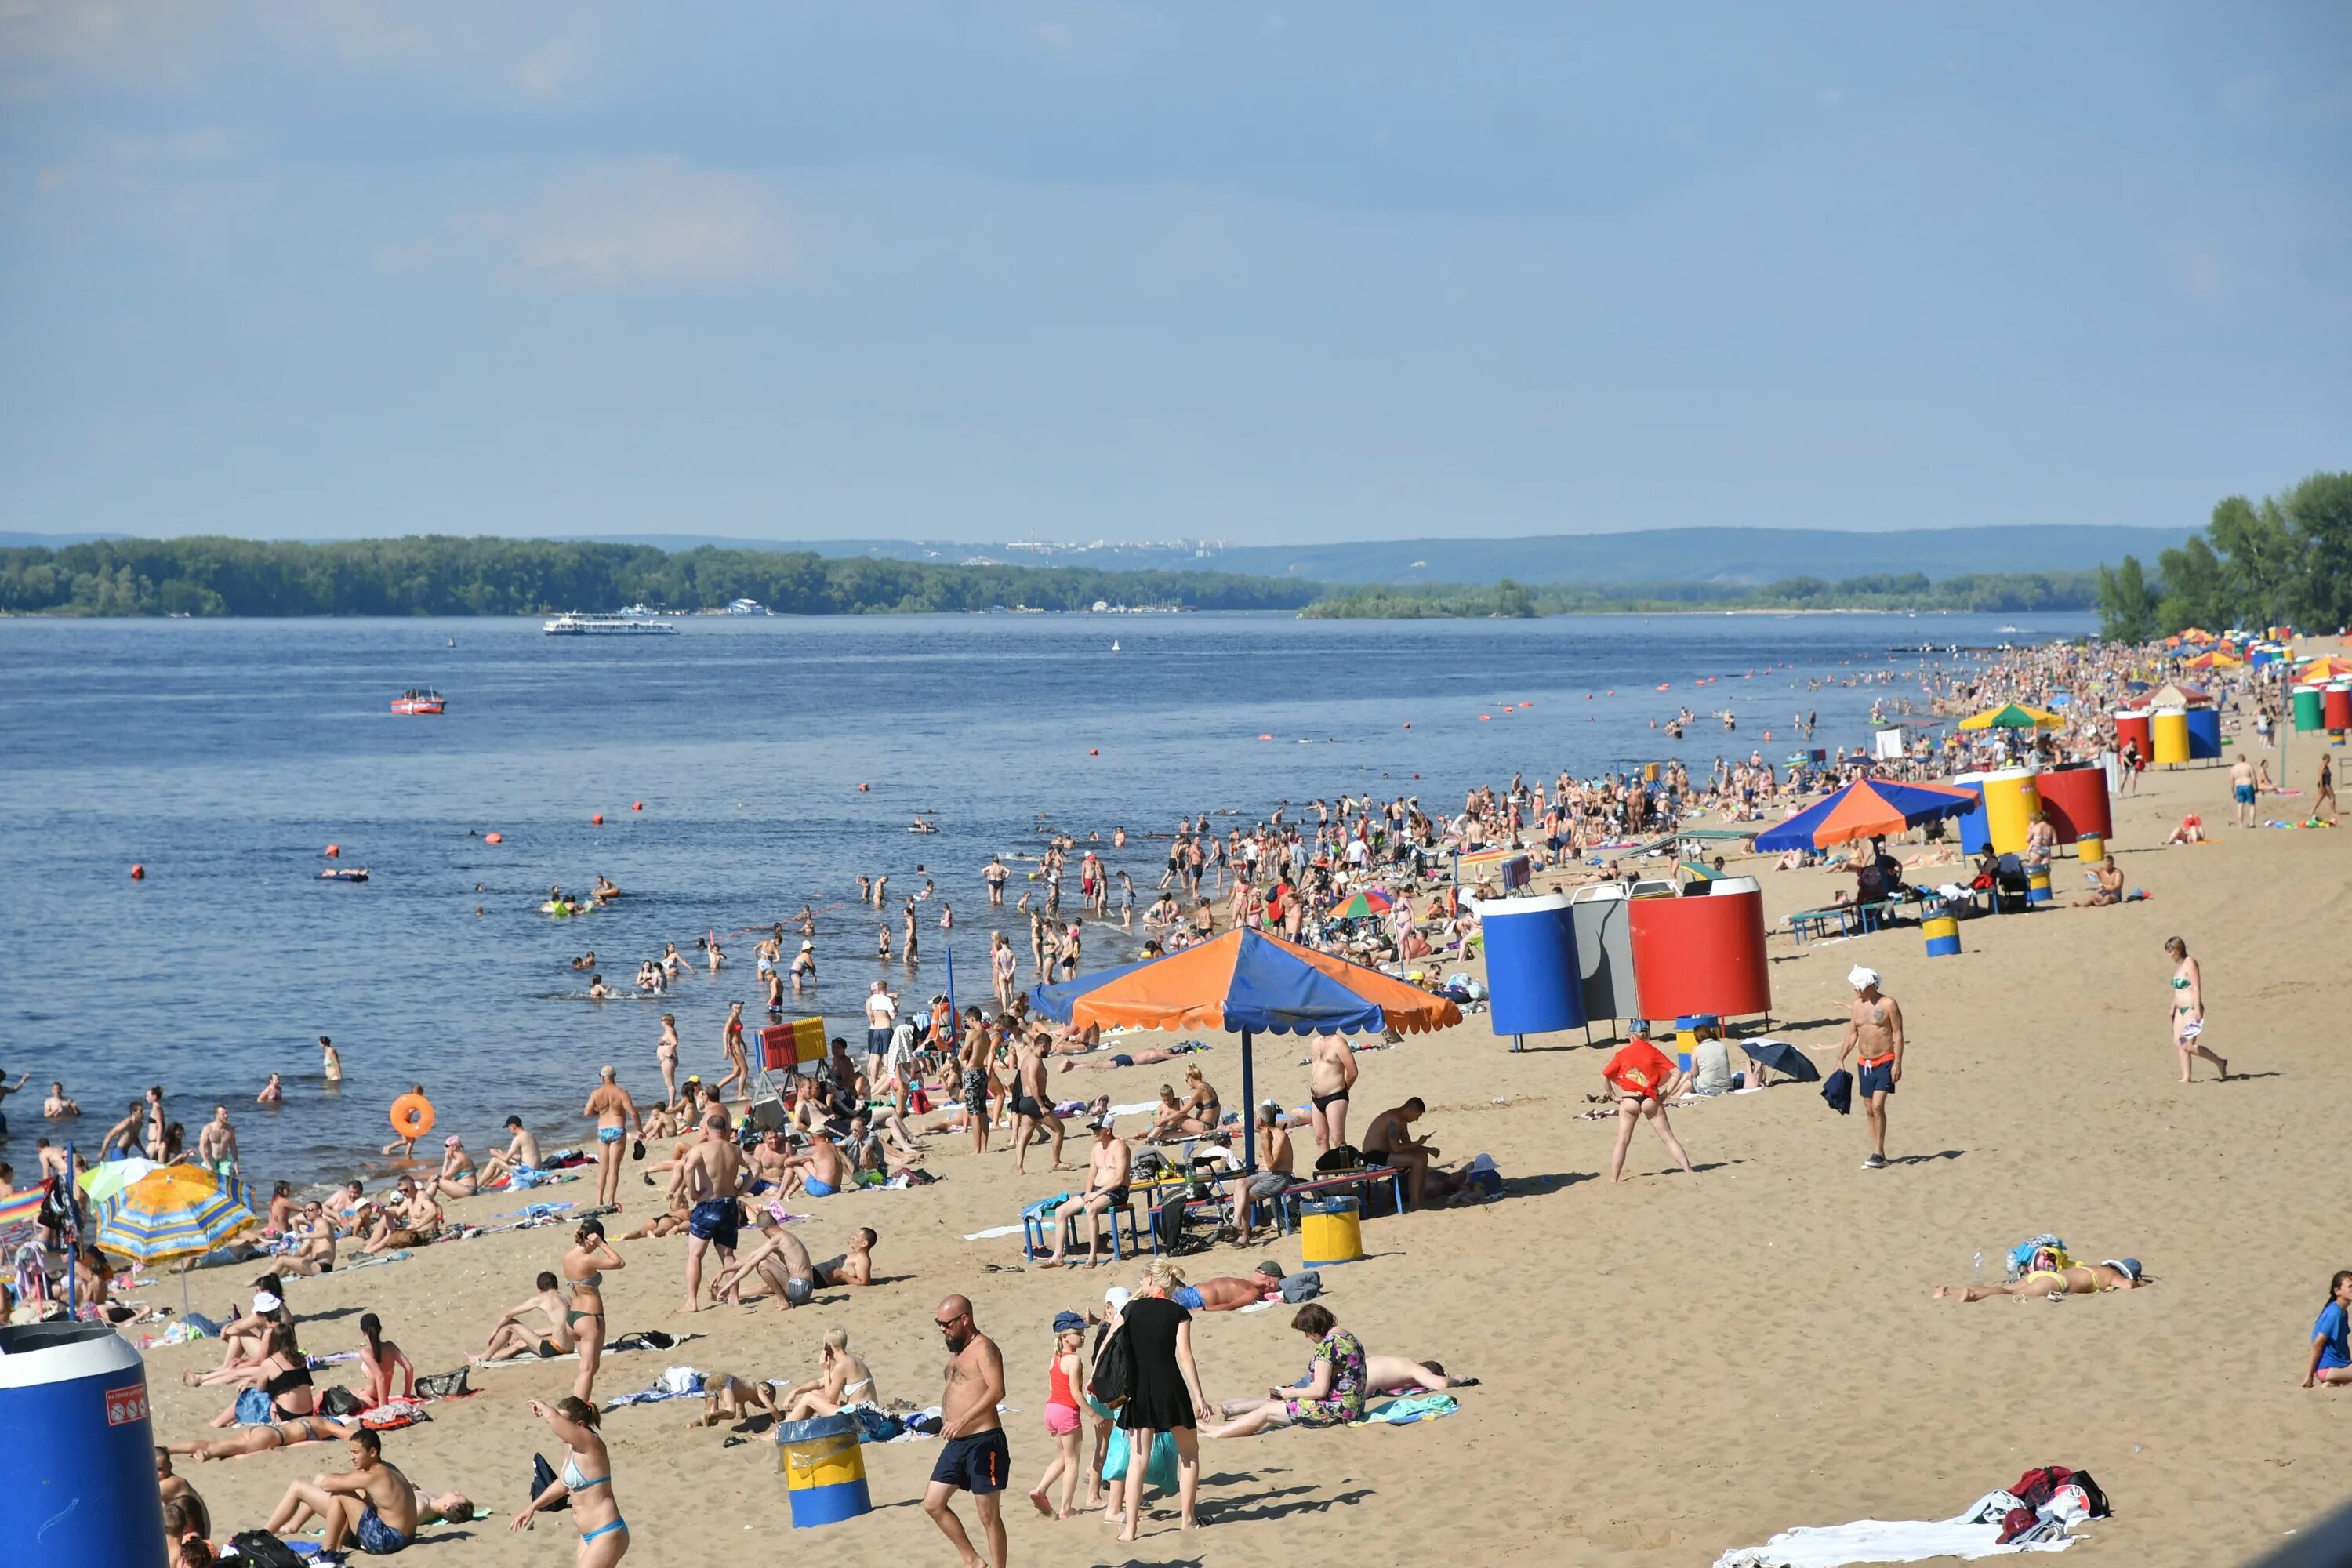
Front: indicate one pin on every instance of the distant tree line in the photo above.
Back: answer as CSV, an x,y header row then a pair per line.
x,y
444,575
2286,560
2002,594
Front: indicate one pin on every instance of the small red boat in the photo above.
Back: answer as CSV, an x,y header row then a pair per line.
x,y
425,702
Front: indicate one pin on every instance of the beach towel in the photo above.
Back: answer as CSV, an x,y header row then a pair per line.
x,y
1417,1408
674,1383
1159,1471
1888,1540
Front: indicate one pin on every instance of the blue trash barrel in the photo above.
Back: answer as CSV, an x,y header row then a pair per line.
x,y
824,1470
80,1454
2204,733
1533,983
1975,831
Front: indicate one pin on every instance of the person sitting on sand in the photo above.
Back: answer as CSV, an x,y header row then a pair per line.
x,y
2107,885
1333,1395
726,1397
2331,1345
457,1178
781,1261
521,1154
2047,1278
412,1218
177,1489
380,1359
2190,831
282,1373
372,1504
819,1172
510,1339
841,1379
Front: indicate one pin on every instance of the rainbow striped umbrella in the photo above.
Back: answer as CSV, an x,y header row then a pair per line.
x,y
19,1211
1364,905
178,1211
2013,716
1867,808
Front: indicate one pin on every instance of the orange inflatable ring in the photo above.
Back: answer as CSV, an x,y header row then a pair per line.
x,y
412,1116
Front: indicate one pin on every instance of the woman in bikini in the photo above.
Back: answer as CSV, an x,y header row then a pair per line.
x,y
584,1274
1203,1112
282,1373
2053,1274
379,1361
260,1440
841,1379
509,1339
2186,1015
587,1479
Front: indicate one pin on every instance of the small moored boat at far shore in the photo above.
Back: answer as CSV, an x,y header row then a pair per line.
x,y
420,701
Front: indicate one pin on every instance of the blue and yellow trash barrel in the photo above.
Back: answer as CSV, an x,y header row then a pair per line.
x,y
825,1472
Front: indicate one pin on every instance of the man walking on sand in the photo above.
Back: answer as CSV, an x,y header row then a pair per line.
x,y
1874,1036
2242,791
974,1456
708,1179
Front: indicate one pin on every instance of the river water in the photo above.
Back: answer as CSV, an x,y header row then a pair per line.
x,y
224,755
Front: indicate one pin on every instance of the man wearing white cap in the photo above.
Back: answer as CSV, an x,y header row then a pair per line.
x,y
1873,1034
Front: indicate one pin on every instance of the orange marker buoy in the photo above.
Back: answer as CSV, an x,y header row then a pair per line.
x,y
637,805
597,820
1485,718
494,839
334,851
138,873
1408,726
1093,751
1266,737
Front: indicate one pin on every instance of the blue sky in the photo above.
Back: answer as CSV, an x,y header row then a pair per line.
x,y
1279,272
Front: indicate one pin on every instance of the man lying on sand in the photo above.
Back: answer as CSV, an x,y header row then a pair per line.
x,y
784,1262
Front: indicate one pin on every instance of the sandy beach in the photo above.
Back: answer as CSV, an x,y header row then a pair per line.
x,y
1671,1368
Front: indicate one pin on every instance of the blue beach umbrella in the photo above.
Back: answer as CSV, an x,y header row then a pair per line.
x,y
1866,808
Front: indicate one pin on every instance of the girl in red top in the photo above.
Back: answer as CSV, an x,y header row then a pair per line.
x,y
1644,1080
1062,1382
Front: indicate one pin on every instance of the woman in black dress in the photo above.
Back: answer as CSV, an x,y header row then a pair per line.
x,y
1167,1396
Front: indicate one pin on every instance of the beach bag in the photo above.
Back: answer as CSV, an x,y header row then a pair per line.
x,y
1159,1471
919,1102
263,1550
1114,1379
253,1408
1303,1285
1345,1157
442,1385
542,1476
874,1425
340,1402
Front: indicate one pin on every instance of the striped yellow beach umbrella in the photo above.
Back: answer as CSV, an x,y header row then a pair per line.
x,y
2013,716
175,1211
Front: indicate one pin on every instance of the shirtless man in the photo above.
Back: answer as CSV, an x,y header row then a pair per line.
x,y
1387,1143
1033,1103
58,1107
1331,1074
973,1060
510,1338
820,1172
783,1261
125,1133
216,1143
412,1218
613,1111
974,1456
709,1178
316,1251
2242,790
2108,887
521,1154
1107,1171
1874,1036
771,1162
1273,1173
175,1488
372,1504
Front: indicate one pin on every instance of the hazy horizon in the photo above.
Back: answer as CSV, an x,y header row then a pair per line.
x,y
1276,274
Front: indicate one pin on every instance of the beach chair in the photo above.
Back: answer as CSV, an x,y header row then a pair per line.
x,y
1034,1241
1838,918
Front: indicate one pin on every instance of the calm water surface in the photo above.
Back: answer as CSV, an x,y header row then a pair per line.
x,y
226,755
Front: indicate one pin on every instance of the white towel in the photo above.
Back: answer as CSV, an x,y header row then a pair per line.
x,y
1881,1541
993,1232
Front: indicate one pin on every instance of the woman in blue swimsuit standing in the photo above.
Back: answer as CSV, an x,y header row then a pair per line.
x,y
587,1479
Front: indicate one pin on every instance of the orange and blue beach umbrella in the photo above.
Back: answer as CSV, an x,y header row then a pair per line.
x,y
1250,982
1867,808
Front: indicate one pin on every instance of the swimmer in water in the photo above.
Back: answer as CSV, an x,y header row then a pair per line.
x,y
330,1063
272,1093
58,1106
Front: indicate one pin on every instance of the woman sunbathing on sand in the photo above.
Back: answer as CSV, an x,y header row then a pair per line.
x,y
2076,1280
275,1435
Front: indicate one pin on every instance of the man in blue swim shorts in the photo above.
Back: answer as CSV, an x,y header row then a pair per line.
x,y
2241,790
710,1176
371,1505
1873,1037
974,1458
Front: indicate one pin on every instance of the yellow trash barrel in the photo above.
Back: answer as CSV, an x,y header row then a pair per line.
x,y
825,1472
1330,1230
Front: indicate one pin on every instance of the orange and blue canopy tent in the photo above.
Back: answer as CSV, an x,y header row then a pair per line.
x,y
1866,808
1250,982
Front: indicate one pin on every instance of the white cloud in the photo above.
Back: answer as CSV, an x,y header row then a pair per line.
x,y
643,221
